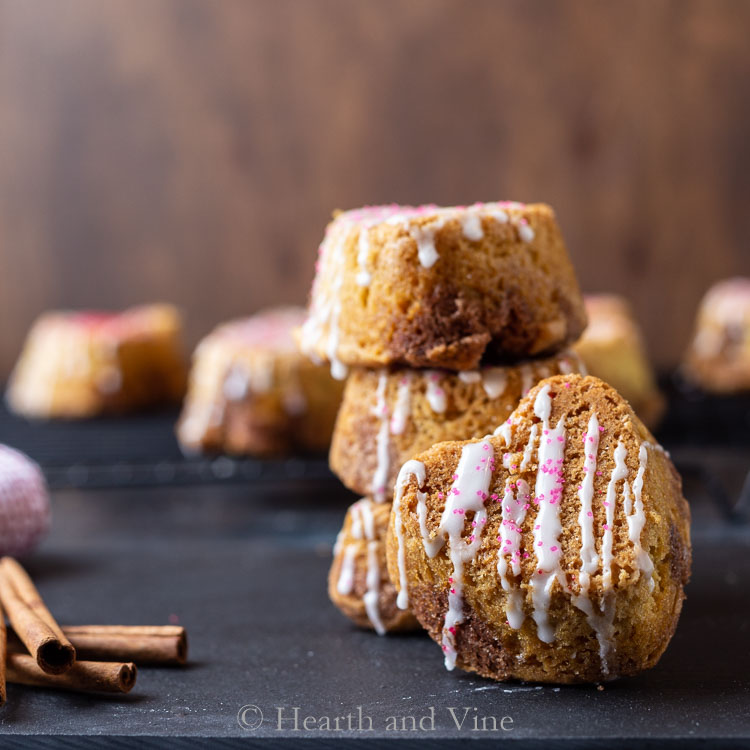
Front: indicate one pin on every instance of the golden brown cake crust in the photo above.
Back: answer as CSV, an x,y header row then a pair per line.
x,y
387,416
252,392
556,641
358,582
447,288
612,348
718,358
84,364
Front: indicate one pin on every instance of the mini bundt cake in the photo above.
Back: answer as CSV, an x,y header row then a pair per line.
x,y
612,349
387,415
718,359
252,392
554,551
83,364
442,287
358,582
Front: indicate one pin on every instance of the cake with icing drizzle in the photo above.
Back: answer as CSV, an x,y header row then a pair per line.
x,y
358,582
252,392
438,287
555,550
83,364
613,349
388,415
718,359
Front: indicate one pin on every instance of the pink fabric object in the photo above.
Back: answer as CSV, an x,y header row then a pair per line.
x,y
24,503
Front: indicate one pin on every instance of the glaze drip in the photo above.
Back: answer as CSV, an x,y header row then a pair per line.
x,y
547,529
466,496
514,509
435,393
383,443
410,469
362,528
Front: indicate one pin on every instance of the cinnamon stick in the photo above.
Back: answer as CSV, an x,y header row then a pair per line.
x,y
83,676
32,621
142,644
3,654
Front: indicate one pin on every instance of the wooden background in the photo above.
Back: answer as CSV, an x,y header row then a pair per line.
x,y
192,150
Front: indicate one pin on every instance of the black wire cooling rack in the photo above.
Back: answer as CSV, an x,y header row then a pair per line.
x,y
708,438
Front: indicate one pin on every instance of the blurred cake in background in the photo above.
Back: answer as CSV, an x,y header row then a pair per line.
x,y
84,364
718,359
612,349
252,392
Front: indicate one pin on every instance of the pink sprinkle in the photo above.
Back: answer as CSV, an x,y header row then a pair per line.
x,y
605,527
553,548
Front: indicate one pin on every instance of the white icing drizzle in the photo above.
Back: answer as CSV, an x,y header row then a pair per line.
x,y
527,378
470,376
471,226
547,528
636,519
362,528
364,277
600,623
467,495
327,310
402,410
503,431
236,384
499,215
528,450
525,232
435,392
409,469
495,381
619,472
346,576
383,443
589,558
372,595
424,236
511,530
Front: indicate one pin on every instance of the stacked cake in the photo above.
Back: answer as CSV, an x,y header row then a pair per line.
x,y
453,324
443,318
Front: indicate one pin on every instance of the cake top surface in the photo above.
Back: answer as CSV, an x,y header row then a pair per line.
x,y
268,329
107,323
394,213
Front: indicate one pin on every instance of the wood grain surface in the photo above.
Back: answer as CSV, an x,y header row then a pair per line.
x,y
191,151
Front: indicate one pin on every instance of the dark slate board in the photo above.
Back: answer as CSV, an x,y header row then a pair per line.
x,y
244,569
